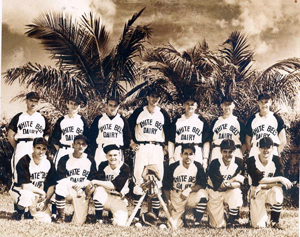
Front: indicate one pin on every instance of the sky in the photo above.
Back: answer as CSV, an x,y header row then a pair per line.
x,y
272,28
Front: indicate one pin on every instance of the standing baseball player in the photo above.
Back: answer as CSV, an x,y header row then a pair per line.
x,y
189,128
227,126
265,123
148,126
266,177
184,186
35,180
67,128
24,127
74,173
109,128
111,183
225,176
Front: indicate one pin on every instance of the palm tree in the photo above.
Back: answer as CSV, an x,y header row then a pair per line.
x,y
87,65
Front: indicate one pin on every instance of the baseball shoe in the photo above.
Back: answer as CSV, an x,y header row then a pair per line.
x,y
276,225
59,220
234,224
28,216
17,216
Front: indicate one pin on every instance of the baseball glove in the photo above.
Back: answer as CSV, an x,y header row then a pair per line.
x,y
150,171
150,219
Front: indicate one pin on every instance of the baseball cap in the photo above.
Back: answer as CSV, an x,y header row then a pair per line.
x,y
32,95
40,140
113,98
227,144
82,137
226,99
265,142
264,95
192,98
154,91
75,99
109,148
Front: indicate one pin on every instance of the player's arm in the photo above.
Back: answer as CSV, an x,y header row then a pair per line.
x,y
206,142
283,142
171,148
11,138
56,134
132,123
274,181
31,187
248,142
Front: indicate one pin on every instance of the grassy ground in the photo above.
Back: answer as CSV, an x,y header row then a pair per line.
x,y
289,221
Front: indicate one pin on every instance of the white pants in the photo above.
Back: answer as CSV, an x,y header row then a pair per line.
x,y
112,203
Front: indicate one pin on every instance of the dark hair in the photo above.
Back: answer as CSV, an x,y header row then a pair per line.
x,y
188,146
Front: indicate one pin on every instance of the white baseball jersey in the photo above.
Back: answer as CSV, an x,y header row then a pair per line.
x,y
77,170
146,126
118,176
41,175
66,129
189,130
107,130
29,126
228,128
257,171
218,171
258,127
178,177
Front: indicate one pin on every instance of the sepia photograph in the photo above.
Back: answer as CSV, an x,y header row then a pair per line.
x,y
150,118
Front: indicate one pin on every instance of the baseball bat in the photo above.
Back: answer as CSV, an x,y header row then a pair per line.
x,y
128,223
165,208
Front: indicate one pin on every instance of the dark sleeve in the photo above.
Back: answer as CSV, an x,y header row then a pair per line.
x,y
94,131
100,174
51,176
211,131
56,134
122,178
254,173
132,122
280,121
171,134
22,169
13,125
85,127
242,131
248,126
93,170
200,177
215,174
241,168
61,172
205,133
278,165
126,133
168,176
167,124
47,130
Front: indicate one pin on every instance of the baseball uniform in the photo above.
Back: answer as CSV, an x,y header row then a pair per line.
x,y
26,128
106,130
178,178
258,127
71,171
113,200
41,176
192,130
272,196
64,132
226,128
218,172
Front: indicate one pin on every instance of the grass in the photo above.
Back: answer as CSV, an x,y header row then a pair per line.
x,y
289,221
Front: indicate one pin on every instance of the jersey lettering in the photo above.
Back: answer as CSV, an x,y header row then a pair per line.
x,y
109,177
225,136
25,124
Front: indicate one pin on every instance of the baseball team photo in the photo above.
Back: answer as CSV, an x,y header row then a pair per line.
x,y
150,118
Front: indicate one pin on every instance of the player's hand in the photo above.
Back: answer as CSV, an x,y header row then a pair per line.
x,y
76,187
185,193
239,178
134,146
286,183
205,164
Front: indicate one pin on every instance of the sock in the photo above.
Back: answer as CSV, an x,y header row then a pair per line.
x,y
20,209
98,210
275,212
155,206
60,205
110,215
233,214
135,202
200,209
53,209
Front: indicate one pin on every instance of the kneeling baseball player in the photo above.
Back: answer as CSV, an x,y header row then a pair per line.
x,y
35,176
266,179
184,186
224,181
74,173
111,183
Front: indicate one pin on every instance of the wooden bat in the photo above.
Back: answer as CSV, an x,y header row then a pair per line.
x,y
128,223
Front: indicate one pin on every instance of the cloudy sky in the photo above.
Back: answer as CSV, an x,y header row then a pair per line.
x,y
272,28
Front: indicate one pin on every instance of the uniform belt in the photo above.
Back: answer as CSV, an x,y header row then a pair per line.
x,y
64,146
239,146
189,144
115,194
151,142
25,140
